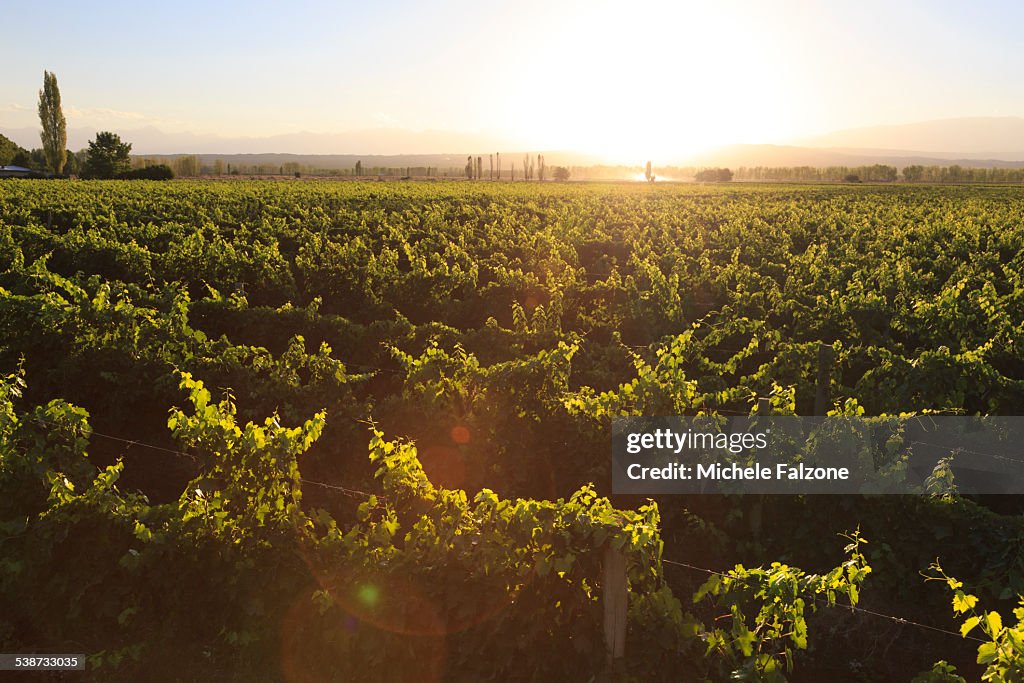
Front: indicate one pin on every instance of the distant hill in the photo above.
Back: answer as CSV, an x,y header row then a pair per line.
x,y
966,138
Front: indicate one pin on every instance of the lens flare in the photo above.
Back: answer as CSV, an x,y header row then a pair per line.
x,y
318,646
460,434
445,466
368,594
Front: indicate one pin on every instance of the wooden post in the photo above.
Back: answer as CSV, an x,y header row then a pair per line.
x,y
616,602
764,406
822,394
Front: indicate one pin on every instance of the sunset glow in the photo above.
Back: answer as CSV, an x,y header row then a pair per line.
x,y
659,80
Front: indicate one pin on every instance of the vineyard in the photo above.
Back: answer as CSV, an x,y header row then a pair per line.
x,y
304,431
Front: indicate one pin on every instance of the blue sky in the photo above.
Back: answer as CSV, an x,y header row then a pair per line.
x,y
589,75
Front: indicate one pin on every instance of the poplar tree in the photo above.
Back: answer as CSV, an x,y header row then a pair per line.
x,y
54,134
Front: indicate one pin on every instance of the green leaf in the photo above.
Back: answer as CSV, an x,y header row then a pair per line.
x,y
565,563
711,586
962,602
986,653
142,532
994,623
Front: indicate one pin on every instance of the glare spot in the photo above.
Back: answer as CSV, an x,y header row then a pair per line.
x,y
460,434
368,594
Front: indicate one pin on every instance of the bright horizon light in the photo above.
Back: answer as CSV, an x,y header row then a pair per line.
x,y
644,96
658,80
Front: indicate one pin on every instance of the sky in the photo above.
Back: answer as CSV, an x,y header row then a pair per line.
x,y
624,80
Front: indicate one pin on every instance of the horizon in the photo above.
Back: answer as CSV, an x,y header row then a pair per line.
x,y
664,82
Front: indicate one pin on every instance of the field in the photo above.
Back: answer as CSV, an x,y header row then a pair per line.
x,y
360,431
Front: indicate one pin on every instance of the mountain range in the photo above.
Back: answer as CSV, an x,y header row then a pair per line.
x,y
974,141
150,140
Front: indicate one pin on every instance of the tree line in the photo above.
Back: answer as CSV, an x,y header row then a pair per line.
x,y
881,173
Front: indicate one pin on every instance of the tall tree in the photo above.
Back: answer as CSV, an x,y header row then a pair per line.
x,y
54,134
188,165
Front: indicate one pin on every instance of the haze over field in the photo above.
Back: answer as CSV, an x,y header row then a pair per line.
x,y
667,81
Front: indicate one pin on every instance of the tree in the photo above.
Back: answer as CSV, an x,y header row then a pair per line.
x,y
72,165
37,160
107,156
188,165
561,173
22,158
9,150
713,175
913,173
54,134
648,173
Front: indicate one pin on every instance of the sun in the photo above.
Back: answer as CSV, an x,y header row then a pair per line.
x,y
661,81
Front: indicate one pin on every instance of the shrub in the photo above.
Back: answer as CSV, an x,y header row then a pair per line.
x,y
158,172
